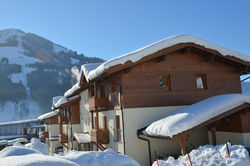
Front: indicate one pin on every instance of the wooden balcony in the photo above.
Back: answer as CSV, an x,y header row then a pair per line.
x,y
63,138
100,136
44,134
100,103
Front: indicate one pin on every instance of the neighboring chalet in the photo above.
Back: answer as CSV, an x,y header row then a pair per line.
x,y
51,134
122,97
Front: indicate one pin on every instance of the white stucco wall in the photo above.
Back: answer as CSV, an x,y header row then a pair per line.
x,y
235,138
137,118
53,130
117,146
85,116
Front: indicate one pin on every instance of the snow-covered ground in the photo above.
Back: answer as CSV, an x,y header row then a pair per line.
x,y
36,154
211,156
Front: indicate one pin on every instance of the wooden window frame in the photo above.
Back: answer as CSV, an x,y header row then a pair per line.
x,y
168,79
204,80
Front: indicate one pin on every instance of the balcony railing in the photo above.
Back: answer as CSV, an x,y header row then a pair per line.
x,y
100,103
99,136
63,138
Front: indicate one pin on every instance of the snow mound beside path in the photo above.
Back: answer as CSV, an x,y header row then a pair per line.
x,y
104,158
36,144
209,155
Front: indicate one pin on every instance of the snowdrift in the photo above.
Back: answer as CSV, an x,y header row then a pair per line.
x,y
210,156
35,154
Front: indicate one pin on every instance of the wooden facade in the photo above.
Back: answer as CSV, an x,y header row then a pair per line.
x,y
168,77
141,86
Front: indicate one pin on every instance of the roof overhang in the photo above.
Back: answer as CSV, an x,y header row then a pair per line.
x,y
167,122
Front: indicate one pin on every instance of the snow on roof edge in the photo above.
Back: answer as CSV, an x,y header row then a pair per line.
x,y
195,114
85,70
48,115
157,46
19,121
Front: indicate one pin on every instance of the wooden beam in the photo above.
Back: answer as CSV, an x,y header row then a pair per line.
x,y
97,120
212,129
183,144
92,119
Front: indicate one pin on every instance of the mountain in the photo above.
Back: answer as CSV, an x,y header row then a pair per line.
x,y
32,71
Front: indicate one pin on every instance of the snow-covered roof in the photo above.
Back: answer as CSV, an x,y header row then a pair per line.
x,y
62,100
48,115
195,114
85,70
20,121
8,137
157,46
82,138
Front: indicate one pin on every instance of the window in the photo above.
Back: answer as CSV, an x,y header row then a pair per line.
x,y
201,81
164,82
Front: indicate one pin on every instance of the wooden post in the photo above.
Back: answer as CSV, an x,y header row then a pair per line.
x,y
183,143
97,120
213,133
92,119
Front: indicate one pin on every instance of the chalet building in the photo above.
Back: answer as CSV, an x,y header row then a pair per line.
x,y
68,121
51,134
122,100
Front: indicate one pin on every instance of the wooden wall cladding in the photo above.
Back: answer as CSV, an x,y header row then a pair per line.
x,y
75,110
245,120
52,120
141,84
238,122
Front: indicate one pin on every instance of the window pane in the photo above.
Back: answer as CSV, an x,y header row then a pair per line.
x,y
199,82
163,82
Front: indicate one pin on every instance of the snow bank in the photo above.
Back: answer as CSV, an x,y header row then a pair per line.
x,y
195,114
105,158
16,151
36,144
210,156
23,156
35,160
168,42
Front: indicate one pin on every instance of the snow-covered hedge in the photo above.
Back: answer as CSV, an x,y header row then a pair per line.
x,y
211,156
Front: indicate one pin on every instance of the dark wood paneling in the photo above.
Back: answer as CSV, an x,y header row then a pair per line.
x,y
141,85
75,110
52,120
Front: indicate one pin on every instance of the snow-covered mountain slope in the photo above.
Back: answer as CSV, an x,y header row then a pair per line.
x,y
32,71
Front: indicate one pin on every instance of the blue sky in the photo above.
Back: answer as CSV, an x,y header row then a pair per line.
x,y
111,28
